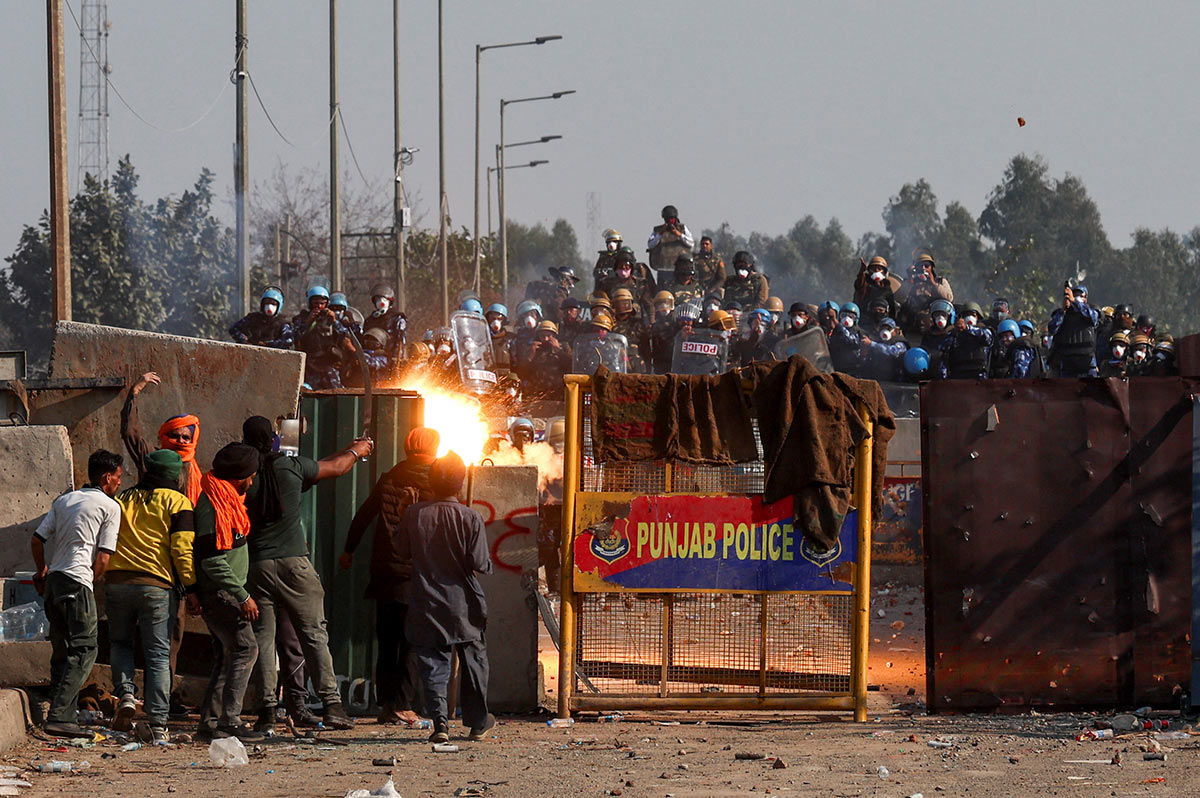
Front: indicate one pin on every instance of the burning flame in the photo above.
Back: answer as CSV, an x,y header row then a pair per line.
x,y
458,419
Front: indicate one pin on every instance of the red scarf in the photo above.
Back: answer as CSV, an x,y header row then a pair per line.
x,y
187,451
230,507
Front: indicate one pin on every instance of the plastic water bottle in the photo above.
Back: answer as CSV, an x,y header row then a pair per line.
x,y
131,746
560,723
421,723
59,766
616,717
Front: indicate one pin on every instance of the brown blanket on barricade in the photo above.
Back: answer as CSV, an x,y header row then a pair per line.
x,y
695,419
809,427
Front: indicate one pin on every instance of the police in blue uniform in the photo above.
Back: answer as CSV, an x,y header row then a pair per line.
x,y
1073,327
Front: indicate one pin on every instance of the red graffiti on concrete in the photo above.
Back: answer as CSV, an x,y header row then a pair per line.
x,y
512,528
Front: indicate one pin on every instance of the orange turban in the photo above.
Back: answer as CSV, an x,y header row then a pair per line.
x,y
187,452
421,444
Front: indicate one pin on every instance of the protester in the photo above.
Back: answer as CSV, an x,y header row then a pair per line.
x,y
281,577
151,569
222,564
447,545
79,534
390,583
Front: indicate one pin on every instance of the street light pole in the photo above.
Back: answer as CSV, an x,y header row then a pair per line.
x,y
398,197
442,175
500,185
479,48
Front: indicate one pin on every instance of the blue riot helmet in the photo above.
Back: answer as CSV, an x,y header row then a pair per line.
x,y
497,308
272,294
472,305
338,300
916,363
317,292
529,313
1008,325
850,307
941,307
1027,328
521,432
847,311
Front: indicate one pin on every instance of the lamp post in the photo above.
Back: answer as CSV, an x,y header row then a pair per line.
x,y
479,48
500,182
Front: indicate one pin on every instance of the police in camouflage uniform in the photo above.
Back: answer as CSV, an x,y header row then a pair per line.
x,y
550,292
572,322
629,323
685,286
389,319
1073,330
1114,364
265,326
746,286
324,340
606,262
634,277
549,362
710,269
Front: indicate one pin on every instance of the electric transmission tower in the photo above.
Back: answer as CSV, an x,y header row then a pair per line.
x,y
93,91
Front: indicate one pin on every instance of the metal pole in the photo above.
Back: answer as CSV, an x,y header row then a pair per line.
x,y
568,612
489,209
503,218
287,254
398,201
863,461
278,258
241,161
60,219
335,201
475,232
442,175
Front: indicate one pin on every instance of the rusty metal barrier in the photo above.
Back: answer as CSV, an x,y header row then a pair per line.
x,y
759,621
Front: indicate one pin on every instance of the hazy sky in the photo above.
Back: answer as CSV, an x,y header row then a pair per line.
x,y
756,113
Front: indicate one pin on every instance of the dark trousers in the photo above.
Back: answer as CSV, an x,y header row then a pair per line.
x,y
394,686
434,666
293,678
234,653
71,612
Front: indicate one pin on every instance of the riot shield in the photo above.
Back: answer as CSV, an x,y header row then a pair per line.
x,y
811,344
702,351
473,347
593,349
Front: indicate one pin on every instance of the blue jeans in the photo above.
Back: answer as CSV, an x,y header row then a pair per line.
x,y
153,609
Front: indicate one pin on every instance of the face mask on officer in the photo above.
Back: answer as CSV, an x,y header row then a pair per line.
x,y
876,276
742,273
774,317
1118,351
613,245
624,271
1140,353
382,304
443,348
887,333
848,319
737,316
661,310
971,319
798,321
269,308
496,325
940,320
529,321
710,307
1000,311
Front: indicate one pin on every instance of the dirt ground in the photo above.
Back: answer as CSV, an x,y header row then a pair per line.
x,y
679,754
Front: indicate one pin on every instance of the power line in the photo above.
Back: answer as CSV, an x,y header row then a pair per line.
x,y
350,147
129,107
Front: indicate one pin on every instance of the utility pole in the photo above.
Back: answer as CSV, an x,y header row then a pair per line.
x,y
60,220
398,203
241,161
442,175
500,203
335,199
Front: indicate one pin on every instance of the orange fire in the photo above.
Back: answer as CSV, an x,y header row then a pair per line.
x,y
457,417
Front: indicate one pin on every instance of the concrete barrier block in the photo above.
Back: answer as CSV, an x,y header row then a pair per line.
x,y
507,497
25,663
220,383
35,467
14,718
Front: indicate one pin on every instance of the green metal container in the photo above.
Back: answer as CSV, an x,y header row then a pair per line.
x,y
335,418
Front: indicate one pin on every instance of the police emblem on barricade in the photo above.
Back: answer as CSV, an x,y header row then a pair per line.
x,y
819,557
607,543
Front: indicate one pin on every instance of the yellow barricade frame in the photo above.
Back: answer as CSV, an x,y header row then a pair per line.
x,y
570,699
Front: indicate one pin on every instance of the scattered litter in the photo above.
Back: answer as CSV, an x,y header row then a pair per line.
x,y
779,764
445,748
883,772
228,753
385,762
1155,780
388,790
616,717
897,625
882,733
1095,734
749,755
1172,735
59,766
939,744
131,746
666,723
1154,756
560,723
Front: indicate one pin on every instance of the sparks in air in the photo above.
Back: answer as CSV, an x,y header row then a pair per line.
x,y
456,417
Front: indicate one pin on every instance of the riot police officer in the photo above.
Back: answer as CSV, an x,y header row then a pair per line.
x,y
1114,364
941,322
629,324
710,269
529,316
874,281
388,318
668,240
845,341
883,354
965,351
550,292
799,319
634,277
502,337
917,293
265,326
1073,327
324,340
685,286
1013,355
548,363
607,261
571,323
746,286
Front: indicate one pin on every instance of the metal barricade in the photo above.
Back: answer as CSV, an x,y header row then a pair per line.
x,y
758,619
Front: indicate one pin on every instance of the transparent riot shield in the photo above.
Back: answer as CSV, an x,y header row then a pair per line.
x,y
473,347
701,351
811,344
594,349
